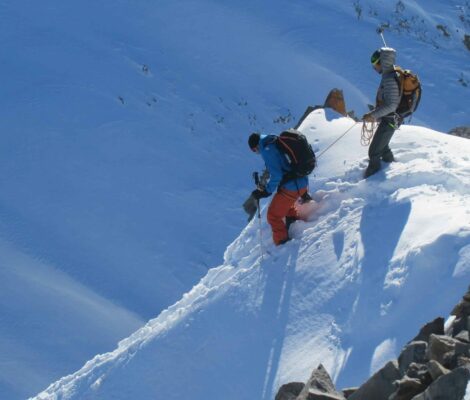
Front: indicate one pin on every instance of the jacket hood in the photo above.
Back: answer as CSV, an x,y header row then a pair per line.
x,y
387,58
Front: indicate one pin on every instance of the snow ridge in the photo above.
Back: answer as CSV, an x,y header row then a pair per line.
x,y
371,258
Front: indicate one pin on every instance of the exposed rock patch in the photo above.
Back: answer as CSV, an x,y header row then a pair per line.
x,y
435,365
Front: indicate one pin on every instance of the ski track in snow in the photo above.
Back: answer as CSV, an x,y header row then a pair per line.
x,y
373,254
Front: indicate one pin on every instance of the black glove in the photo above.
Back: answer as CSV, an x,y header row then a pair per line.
x,y
250,206
260,194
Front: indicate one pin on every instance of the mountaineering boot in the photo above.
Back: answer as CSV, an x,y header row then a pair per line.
x,y
372,168
290,221
284,241
305,198
388,157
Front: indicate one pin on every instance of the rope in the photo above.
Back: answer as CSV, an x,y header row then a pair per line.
x,y
367,132
337,140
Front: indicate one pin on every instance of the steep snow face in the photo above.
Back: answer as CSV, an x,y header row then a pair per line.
x,y
377,259
123,147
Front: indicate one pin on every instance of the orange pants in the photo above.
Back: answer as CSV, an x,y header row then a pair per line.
x,y
282,205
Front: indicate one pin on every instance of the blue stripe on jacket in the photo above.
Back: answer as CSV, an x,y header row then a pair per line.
x,y
277,165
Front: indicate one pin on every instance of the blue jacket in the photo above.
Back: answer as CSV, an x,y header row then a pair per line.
x,y
277,165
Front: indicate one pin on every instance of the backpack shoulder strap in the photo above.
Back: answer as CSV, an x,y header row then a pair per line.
x,y
399,75
270,139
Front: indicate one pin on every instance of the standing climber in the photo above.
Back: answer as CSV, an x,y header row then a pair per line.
x,y
284,178
387,101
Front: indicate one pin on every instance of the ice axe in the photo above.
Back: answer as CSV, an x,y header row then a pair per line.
x,y
251,204
380,31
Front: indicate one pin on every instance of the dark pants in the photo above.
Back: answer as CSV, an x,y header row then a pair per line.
x,y
379,146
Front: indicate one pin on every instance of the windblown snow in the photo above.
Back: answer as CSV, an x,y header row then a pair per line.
x,y
376,259
124,163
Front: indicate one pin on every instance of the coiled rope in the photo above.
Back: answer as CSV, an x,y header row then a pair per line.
x,y
367,132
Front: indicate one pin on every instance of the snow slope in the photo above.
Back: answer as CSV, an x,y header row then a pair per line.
x,y
377,259
123,147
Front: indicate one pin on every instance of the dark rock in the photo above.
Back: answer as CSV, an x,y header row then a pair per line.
x,y
320,387
466,41
414,370
436,369
463,361
435,327
461,310
458,356
289,391
407,389
316,395
439,347
414,352
335,100
462,348
451,386
462,131
349,391
459,325
420,372
463,336
380,385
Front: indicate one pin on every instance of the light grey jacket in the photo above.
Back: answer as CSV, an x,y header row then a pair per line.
x,y
388,94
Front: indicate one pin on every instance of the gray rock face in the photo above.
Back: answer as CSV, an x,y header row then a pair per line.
x,y
420,372
448,351
349,391
440,347
459,325
380,385
451,386
289,391
414,352
436,369
320,387
463,336
407,389
315,395
435,327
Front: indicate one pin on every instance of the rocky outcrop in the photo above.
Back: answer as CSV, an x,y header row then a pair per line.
x,y
414,352
334,101
290,391
380,385
462,131
435,365
320,387
451,386
434,327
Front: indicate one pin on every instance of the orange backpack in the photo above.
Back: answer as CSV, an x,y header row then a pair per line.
x,y
410,90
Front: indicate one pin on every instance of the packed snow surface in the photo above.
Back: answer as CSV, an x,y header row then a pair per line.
x,y
123,151
377,258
